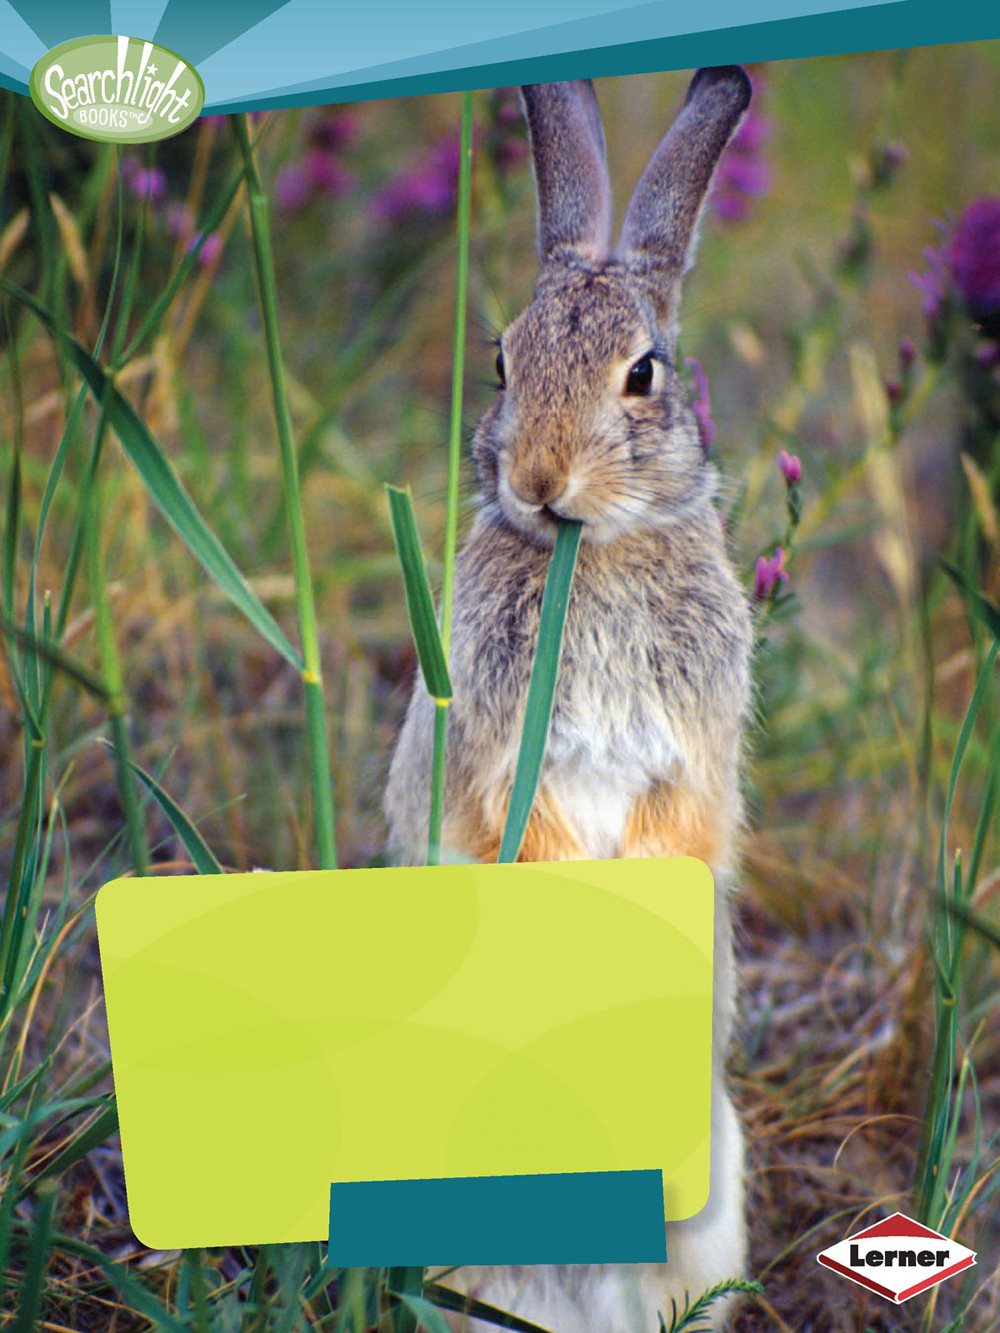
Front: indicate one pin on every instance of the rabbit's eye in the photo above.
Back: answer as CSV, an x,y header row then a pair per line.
x,y
640,378
501,371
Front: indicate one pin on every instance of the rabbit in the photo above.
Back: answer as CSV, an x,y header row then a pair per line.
x,y
591,422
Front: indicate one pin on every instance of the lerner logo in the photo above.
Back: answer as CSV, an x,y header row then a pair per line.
x,y
117,89
897,1258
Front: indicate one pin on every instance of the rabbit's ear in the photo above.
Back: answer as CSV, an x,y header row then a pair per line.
x,y
658,236
571,174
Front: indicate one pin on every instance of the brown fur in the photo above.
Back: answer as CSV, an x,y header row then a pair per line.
x,y
548,835
670,821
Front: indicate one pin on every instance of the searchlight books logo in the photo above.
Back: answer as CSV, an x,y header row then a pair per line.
x,y
117,89
897,1258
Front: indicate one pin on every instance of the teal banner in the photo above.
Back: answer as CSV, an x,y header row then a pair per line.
x,y
585,1217
265,53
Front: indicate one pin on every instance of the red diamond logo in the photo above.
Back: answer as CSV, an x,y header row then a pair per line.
x,y
897,1258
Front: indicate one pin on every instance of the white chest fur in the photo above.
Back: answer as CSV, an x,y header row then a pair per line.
x,y
596,772
596,809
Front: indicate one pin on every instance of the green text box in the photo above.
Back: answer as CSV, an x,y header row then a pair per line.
x,y
275,1033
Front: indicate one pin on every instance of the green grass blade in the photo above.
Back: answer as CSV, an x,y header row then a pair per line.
x,y
419,602
980,606
9,1198
986,929
37,168
56,1113
987,812
291,1265
407,1284
414,1312
254,1318
101,1128
439,756
312,667
10,1096
88,1078
929,1183
193,1273
195,845
132,1288
75,414
692,1318
358,1300
33,1282
457,368
983,685
81,675
542,688
30,958
455,1301
131,281
12,528
163,484
111,670
15,909
165,300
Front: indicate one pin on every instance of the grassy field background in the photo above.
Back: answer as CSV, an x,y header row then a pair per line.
x,y
869,1061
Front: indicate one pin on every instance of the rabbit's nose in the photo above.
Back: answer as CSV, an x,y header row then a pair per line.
x,y
537,486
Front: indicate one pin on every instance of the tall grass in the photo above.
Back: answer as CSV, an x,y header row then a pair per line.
x,y
454,467
28,942
312,670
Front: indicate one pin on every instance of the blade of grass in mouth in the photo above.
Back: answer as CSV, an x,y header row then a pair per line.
x,y
542,687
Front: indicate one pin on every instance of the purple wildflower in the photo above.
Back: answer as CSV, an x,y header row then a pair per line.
x,y
319,171
211,248
790,467
427,187
894,157
701,404
898,390
972,252
885,164
743,173
325,174
755,129
966,262
293,188
180,222
505,140
506,108
988,354
731,207
769,574
747,176
333,132
934,283
147,183
511,152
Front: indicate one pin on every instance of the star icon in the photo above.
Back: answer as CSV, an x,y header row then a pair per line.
x,y
151,69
